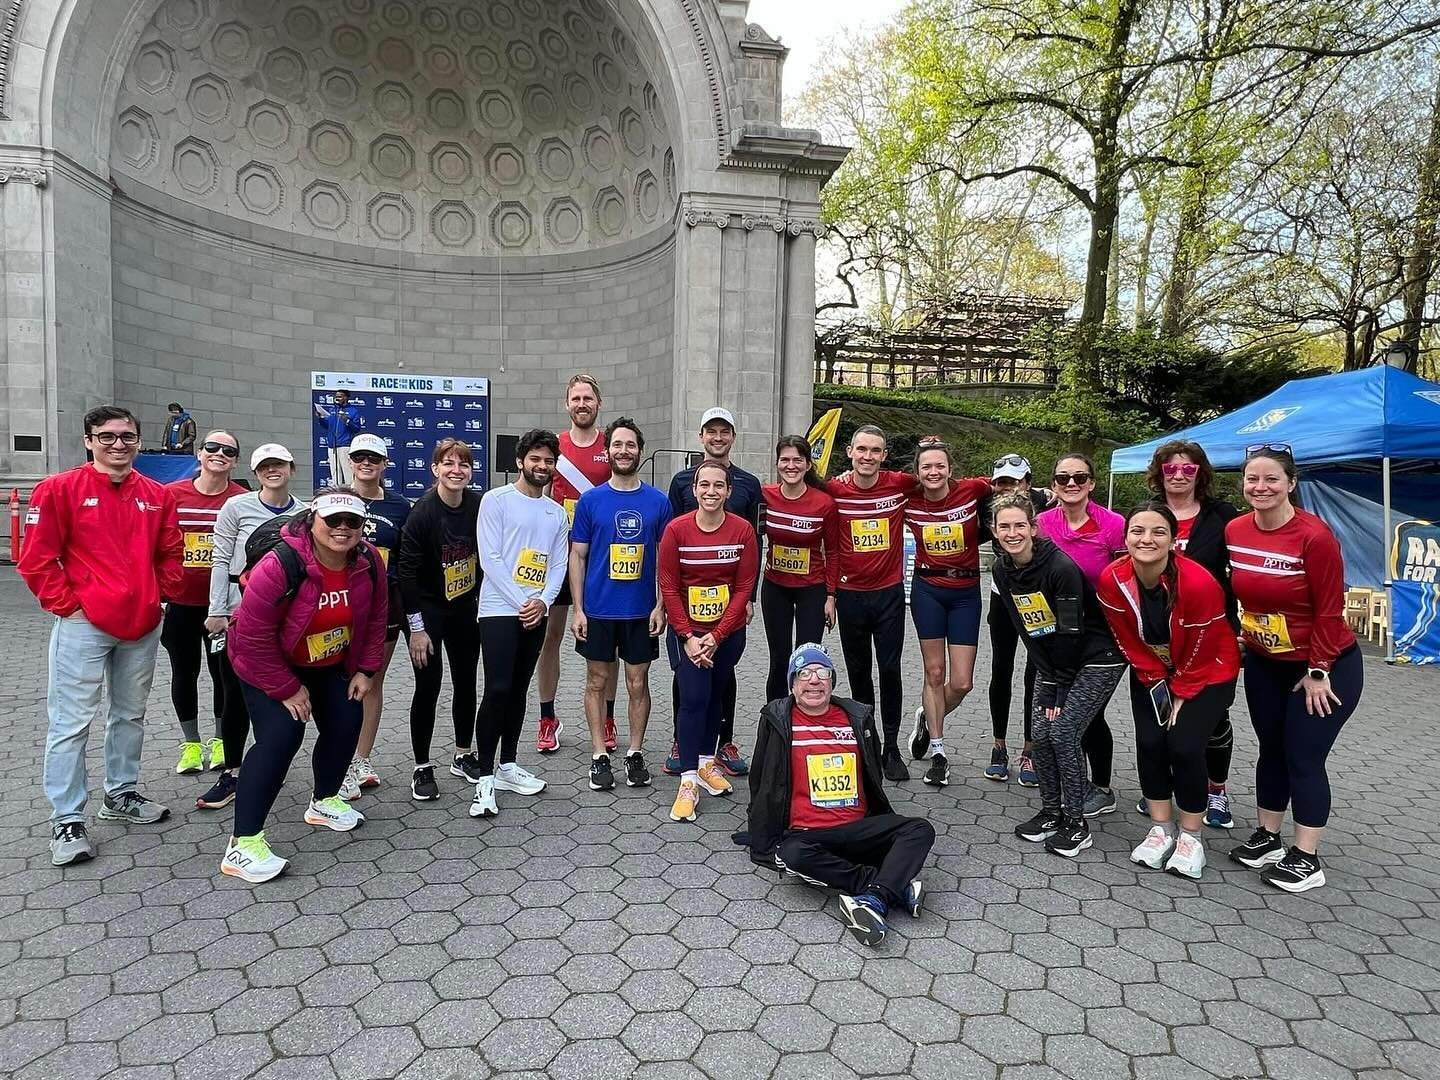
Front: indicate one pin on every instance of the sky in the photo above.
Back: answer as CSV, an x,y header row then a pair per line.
x,y
805,25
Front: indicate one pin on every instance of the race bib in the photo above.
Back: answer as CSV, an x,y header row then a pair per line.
x,y
1163,652
708,602
327,644
199,548
384,556
626,561
834,780
570,512
789,560
943,538
460,578
1269,632
870,534
1035,613
530,568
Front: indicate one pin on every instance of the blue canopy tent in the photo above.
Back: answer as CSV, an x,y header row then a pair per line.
x,y
1368,444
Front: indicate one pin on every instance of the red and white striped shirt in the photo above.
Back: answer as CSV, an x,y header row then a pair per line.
x,y
827,773
196,513
804,538
707,578
947,534
872,547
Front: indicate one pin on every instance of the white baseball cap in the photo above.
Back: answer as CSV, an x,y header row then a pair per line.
x,y
339,502
367,443
718,413
1011,467
270,451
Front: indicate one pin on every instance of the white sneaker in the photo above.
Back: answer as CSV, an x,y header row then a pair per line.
x,y
350,786
511,777
365,773
1189,857
250,859
484,804
333,813
1154,849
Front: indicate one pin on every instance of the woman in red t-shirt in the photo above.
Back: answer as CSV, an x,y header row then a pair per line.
x,y
1303,672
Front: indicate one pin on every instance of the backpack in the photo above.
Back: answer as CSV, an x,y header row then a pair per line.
x,y
268,537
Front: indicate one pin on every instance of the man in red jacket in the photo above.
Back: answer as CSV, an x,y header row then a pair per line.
x,y
101,546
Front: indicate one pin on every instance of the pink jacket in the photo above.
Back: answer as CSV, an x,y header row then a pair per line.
x,y
1092,552
267,628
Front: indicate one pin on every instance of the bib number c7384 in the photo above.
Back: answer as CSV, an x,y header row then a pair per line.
x,y
708,602
460,577
870,534
834,780
530,568
1035,613
1269,632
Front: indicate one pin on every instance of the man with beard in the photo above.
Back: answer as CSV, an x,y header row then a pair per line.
x,y
582,464
524,542
618,611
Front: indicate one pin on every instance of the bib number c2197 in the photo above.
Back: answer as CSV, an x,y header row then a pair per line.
x,y
530,568
626,561
1269,632
943,538
1035,613
708,602
833,779
870,534
460,578
199,550
789,560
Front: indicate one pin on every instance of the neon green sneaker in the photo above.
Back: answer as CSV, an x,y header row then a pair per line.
x,y
192,759
217,755
333,813
250,859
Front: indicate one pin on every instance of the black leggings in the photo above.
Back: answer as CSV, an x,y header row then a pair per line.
x,y
1004,642
185,642
1099,746
510,653
1290,769
793,616
453,631
1172,761
877,616
235,720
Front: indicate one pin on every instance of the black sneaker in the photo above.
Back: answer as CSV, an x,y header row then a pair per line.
x,y
221,793
467,766
1298,871
939,772
636,774
895,769
1262,849
920,739
601,778
1040,827
1070,839
422,785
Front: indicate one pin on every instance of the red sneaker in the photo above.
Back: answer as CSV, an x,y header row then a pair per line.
x,y
729,759
548,741
611,741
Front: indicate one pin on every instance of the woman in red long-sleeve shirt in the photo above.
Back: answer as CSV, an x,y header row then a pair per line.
x,y
1303,672
1167,614
708,562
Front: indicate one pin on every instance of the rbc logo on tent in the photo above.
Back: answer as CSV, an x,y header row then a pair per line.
x,y
1271,419
1432,396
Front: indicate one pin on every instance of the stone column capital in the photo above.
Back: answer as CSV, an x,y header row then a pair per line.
x,y
24,174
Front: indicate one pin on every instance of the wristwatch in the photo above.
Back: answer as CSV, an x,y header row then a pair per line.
x,y
1318,674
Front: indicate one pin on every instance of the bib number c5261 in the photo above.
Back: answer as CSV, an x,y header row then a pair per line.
x,y
1035,613
530,568
870,534
708,602
199,550
834,780
626,561
460,577
789,560
943,538
1269,632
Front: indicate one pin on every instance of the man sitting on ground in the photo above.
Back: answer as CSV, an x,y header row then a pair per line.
x,y
817,806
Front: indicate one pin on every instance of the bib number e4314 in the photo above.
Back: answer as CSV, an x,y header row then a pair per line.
x,y
943,538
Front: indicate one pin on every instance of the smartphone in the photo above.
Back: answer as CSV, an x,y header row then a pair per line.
x,y
217,643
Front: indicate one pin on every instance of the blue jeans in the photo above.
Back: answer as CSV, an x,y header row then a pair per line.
x,y
83,660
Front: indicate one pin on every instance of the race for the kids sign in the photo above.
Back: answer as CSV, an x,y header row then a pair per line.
x,y
1415,592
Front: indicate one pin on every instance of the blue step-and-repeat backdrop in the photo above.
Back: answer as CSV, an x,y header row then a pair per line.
x,y
411,413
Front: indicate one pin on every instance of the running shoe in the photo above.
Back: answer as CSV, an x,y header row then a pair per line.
x,y
250,859
1154,849
467,766
133,807
1262,849
221,793
192,759
484,804
999,765
686,799
601,777
920,738
672,763
511,777
422,784
728,758
217,755
366,774
1026,770
1188,859
636,774
1142,809
1070,839
548,741
1040,827
895,769
69,843
914,897
612,739
350,786
1217,808
938,775
865,918
713,780
1099,801
1298,871
333,813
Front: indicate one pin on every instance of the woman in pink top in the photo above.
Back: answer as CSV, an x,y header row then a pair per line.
x,y
1093,537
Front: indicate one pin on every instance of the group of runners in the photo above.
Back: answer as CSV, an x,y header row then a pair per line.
x,y
296,608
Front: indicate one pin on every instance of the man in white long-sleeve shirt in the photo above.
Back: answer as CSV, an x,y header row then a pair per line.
x,y
524,543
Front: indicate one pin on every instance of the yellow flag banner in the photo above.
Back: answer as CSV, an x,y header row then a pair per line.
x,y
822,440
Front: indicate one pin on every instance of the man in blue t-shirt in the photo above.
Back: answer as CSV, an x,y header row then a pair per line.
x,y
342,422
617,607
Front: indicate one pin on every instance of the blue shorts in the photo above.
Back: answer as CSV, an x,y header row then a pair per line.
x,y
942,612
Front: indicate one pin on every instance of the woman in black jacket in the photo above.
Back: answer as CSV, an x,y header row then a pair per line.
x,y
1180,474
1077,667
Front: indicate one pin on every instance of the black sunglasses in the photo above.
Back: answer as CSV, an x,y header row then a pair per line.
x,y
367,458
1011,459
220,448
343,521
1269,448
1064,479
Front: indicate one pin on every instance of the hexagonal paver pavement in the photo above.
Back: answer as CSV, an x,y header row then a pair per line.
x,y
585,935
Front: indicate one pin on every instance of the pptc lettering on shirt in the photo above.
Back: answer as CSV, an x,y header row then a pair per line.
x,y
1281,564
725,554
334,598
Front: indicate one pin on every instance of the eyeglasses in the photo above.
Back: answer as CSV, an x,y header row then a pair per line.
x,y
1186,469
220,448
1079,479
367,458
815,674
343,521
1269,448
110,438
